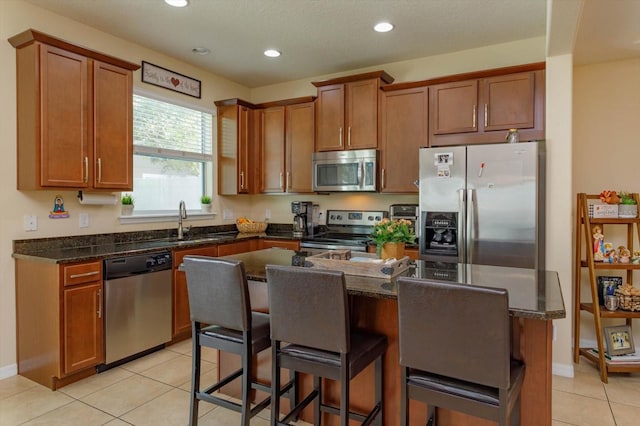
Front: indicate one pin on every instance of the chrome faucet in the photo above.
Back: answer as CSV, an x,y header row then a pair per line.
x,y
182,214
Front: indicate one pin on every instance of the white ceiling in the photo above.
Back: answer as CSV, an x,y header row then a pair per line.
x,y
320,37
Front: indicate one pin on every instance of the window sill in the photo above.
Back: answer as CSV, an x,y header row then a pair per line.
x,y
164,217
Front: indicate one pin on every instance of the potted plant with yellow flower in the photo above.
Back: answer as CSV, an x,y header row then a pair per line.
x,y
391,236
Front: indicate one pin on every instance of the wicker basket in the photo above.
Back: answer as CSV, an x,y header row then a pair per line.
x,y
251,228
628,303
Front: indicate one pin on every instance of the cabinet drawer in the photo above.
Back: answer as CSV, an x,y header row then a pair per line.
x,y
82,273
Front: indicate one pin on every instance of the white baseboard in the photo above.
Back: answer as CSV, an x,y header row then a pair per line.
x,y
564,370
8,371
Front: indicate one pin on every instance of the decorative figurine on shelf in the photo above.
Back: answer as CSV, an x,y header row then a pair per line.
x,y
625,254
598,244
58,211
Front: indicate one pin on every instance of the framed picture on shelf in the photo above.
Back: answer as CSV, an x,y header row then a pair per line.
x,y
607,286
619,340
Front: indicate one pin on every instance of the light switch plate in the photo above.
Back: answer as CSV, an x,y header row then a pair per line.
x,y
83,220
30,222
267,214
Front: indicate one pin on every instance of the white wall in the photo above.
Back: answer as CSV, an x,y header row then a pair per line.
x,y
16,16
558,196
606,150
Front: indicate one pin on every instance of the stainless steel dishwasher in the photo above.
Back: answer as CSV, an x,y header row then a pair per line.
x,y
137,305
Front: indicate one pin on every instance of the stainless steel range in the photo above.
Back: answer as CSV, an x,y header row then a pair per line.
x,y
346,230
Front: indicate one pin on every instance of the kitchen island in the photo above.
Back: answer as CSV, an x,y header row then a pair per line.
x,y
535,298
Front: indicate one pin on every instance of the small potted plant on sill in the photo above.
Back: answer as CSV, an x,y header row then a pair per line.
x,y
628,207
205,204
127,204
391,236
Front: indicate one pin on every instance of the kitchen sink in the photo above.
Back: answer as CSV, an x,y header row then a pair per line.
x,y
198,238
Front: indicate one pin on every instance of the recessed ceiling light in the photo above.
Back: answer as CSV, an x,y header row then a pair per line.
x,y
200,50
383,27
272,53
177,3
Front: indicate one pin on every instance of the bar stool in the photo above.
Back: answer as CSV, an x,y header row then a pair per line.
x,y
310,312
222,319
455,350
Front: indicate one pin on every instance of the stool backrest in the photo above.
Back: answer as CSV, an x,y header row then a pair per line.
x,y
308,307
455,330
218,292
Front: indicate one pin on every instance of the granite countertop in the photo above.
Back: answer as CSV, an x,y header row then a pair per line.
x,y
532,294
104,246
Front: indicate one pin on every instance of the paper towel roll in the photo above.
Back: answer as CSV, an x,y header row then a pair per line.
x,y
97,199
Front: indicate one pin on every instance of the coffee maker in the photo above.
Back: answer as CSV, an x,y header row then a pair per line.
x,y
302,220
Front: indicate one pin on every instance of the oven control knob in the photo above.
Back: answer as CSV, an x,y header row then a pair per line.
x,y
369,218
339,217
378,218
332,217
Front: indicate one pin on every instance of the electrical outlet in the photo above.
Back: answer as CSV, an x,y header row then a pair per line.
x,y
267,214
83,220
30,222
227,214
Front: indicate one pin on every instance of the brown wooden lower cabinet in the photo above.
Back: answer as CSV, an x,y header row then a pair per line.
x,y
531,343
60,324
285,244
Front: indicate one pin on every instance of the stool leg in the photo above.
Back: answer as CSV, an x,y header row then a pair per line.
x,y
246,379
275,383
317,386
344,391
293,392
379,387
432,416
404,401
195,374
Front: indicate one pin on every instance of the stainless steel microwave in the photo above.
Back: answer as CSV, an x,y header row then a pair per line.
x,y
353,170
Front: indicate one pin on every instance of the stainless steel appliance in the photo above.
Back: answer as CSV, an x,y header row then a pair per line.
x,y
346,230
410,212
302,220
137,305
354,170
483,204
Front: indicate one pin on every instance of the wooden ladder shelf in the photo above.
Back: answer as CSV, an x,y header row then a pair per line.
x,y
584,239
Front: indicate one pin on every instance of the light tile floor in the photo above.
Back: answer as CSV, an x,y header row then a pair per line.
x,y
154,390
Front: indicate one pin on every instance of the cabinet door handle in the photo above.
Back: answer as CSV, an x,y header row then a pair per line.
x,y
281,183
349,136
86,169
340,136
473,117
99,169
288,180
241,180
100,303
84,274
486,115
382,184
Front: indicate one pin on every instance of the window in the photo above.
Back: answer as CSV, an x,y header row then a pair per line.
x,y
172,161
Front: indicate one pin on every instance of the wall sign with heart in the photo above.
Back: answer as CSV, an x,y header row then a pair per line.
x,y
162,77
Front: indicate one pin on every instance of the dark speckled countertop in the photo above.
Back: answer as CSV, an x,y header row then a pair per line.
x,y
104,246
532,294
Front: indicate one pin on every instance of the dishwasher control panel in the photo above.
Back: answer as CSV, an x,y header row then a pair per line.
x,y
136,264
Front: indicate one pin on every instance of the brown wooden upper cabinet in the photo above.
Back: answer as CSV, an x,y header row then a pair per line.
x,y
236,154
404,131
347,111
483,110
287,136
75,116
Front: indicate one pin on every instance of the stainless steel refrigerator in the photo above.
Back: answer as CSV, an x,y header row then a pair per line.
x,y
483,204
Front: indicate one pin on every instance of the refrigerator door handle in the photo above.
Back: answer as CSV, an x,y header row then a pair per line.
x,y
471,223
462,215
